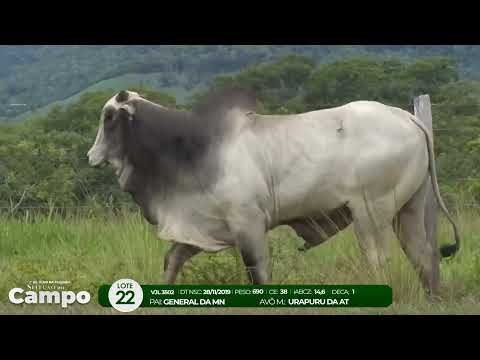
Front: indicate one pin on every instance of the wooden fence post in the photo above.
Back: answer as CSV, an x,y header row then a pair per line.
x,y
423,111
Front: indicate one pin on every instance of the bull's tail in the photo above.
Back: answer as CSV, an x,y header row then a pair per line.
x,y
446,250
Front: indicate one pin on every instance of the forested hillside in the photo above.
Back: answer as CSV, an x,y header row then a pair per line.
x,y
34,76
43,160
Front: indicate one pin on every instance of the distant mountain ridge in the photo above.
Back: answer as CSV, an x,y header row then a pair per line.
x,y
37,75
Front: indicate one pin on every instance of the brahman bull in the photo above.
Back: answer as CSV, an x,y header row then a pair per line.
x,y
222,175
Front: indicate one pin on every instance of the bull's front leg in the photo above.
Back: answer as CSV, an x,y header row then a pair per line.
x,y
254,251
175,258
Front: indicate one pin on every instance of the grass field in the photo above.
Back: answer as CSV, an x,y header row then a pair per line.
x,y
98,248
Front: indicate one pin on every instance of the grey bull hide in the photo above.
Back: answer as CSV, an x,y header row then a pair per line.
x,y
222,176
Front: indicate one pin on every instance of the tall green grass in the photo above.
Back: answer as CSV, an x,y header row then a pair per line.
x,y
99,247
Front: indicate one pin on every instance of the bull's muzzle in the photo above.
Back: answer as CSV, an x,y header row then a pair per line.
x,y
94,159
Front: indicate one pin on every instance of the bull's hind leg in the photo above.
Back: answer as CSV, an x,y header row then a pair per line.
x,y
412,235
176,258
373,228
368,236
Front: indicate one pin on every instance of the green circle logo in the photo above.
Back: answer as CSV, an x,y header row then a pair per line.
x,y
125,295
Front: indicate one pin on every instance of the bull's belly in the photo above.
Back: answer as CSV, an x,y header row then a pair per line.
x,y
309,200
189,220
210,236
